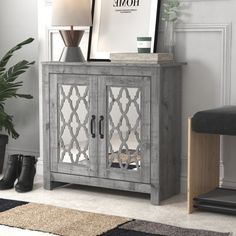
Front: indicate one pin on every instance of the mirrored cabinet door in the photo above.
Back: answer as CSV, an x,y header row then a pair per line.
x,y
124,128
74,111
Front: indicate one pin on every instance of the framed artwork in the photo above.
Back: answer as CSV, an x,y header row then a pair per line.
x,y
118,23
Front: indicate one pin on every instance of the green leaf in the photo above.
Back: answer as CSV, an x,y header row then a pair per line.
x,y
27,96
9,86
13,72
9,54
170,7
6,122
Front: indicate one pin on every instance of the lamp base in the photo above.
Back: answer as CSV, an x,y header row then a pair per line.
x,y
72,54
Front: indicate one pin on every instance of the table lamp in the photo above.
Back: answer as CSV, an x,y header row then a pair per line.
x,y
71,13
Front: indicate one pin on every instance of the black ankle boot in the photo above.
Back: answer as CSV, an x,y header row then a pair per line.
x,y
26,179
12,172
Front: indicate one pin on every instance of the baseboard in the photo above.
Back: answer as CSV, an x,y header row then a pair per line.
x,y
183,184
227,183
183,178
12,150
40,167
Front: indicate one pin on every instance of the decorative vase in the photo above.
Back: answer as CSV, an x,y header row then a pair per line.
x,y
169,37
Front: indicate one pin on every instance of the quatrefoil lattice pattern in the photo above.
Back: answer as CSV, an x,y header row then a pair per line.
x,y
124,120
74,120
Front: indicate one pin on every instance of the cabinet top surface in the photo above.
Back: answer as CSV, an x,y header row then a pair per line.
x,y
98,64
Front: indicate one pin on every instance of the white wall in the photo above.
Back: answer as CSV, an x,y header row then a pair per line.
x,y
205,40
18,21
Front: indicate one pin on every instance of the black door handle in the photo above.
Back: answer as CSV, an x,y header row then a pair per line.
x,y
92,126
100,127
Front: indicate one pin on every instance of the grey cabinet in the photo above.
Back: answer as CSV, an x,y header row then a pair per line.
x,y
113,125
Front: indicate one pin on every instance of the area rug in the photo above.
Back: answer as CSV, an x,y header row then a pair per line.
x,y
68,222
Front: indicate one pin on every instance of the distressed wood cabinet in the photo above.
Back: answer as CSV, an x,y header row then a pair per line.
x,y
113,125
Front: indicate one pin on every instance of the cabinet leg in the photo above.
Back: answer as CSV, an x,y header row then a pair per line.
x,y
203,163
155,198
47,185
50,185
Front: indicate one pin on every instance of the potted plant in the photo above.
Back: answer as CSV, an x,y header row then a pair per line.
x,y
9,89
170,16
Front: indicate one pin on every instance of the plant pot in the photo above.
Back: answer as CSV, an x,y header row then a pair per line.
x,y
3,143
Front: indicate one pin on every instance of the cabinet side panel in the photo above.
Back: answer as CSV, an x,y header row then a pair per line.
x,y
155,173
46,128
170,132
53,119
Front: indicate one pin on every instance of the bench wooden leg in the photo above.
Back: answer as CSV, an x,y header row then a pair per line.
x,y
203,163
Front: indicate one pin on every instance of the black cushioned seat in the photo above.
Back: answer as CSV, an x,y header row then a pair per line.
x,y
216,121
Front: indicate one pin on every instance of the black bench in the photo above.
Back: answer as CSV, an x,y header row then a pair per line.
x,y
204,131
216,121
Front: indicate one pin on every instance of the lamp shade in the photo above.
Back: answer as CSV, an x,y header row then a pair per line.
x,y
71,13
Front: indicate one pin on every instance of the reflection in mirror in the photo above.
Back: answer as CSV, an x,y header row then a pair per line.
x,y
74,124
124,118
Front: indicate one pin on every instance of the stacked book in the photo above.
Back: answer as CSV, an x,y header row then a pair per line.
x,y
141,57
220,200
